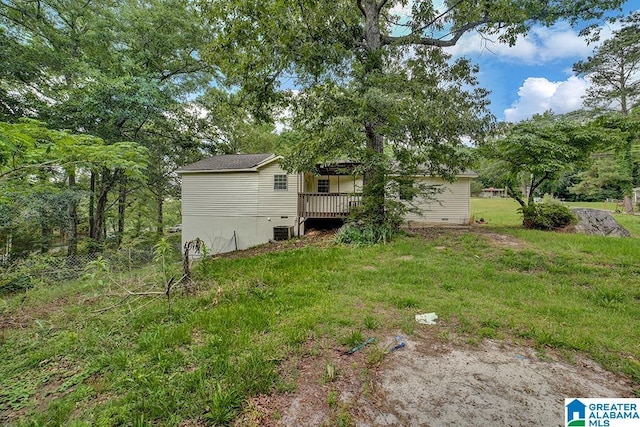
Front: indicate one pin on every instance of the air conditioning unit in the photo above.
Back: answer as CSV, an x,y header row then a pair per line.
x,y
282,232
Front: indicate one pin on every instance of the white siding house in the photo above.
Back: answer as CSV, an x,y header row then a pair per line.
x,y
452,204
234,202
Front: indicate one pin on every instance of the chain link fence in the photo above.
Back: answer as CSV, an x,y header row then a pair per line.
x,y
53,269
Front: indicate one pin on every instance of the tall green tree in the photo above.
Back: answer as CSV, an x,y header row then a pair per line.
x,y
369,79
35,160
540,150
120,70
614,72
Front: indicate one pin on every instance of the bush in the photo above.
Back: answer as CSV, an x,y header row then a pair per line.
x,y
360,234
547,216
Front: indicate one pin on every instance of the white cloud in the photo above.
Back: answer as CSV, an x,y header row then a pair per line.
x,y
540,45
538,95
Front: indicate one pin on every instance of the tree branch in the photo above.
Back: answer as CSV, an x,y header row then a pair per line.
x,y
359,3
514,194
36,166
381,5
430,41
434,20
535,185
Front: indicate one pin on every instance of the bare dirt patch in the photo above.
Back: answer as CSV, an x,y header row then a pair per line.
x,y
493,384
434,382
311,238
504,241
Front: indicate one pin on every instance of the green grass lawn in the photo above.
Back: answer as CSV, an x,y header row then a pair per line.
x,y
67,362
504,213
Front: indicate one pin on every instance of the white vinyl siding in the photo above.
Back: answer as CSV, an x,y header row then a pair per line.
x,y
225,234
276,203
452,205
220,194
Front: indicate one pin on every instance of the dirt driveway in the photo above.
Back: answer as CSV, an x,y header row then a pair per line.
x,y
432,382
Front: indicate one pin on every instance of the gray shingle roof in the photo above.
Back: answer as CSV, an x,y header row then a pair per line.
x,y
226,162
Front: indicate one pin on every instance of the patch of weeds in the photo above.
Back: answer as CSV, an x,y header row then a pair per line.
x,y
464,326
332,398
408,326
568,355
260,290
609,297
491,323
352,339
286,386
524,260
486,332
370,323
541,354
553,339
224,405
524,332
375,356
330,373
295,336
447,287
405,302
344,419
16,396
444,335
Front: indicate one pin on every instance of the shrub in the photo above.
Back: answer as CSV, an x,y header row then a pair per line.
x,y
547,216
359,234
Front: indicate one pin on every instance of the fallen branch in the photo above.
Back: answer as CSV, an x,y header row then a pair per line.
x,y
128,294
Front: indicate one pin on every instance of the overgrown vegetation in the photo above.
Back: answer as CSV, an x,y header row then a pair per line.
x,y
547,216
68,361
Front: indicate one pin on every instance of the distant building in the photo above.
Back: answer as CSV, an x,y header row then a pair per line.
x,y
493,192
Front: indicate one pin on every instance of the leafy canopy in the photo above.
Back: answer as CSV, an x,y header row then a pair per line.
x,y
541,149
372,84
28,147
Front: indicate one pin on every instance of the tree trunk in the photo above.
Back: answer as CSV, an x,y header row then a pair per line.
x,y
122,205
100,223
45,239
160,211
107,182
374,176
72,247
92,202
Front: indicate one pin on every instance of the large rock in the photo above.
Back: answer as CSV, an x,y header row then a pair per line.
x,y
598,222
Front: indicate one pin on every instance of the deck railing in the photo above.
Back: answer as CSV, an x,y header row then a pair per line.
x,y
327,205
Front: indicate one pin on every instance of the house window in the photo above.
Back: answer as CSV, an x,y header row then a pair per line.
x,y
323,186
279,182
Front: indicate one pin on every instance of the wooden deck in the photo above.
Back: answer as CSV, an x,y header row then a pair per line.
x,y
327,205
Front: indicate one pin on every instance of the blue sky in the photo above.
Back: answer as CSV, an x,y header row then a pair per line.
x,y
536,74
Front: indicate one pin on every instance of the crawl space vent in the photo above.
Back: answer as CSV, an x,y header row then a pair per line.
x,y
282,232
